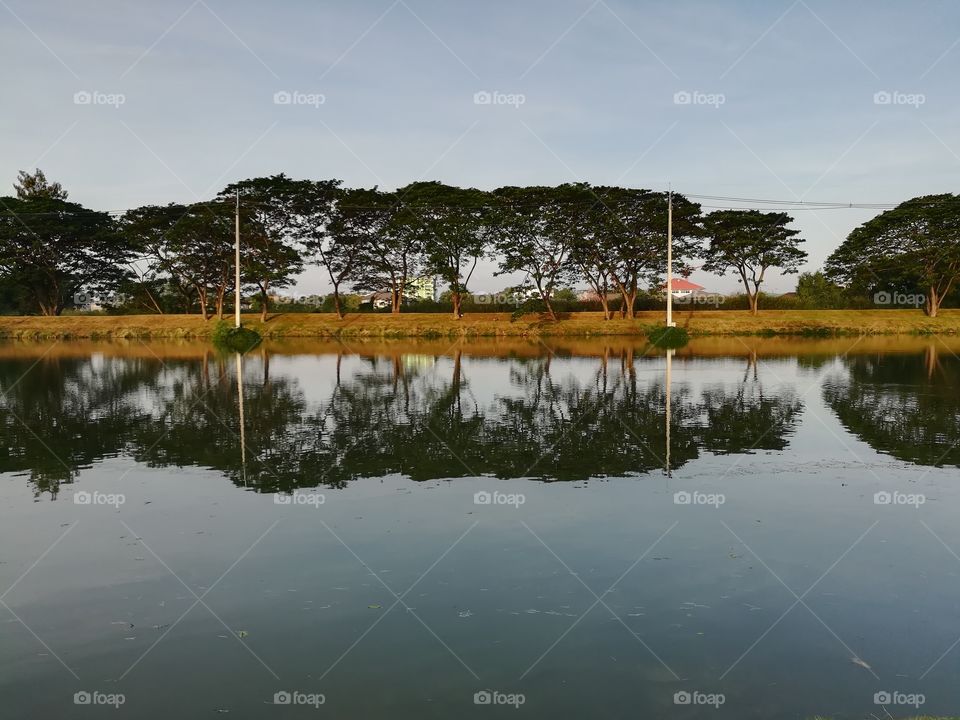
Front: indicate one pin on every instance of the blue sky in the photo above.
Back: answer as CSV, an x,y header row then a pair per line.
x,y
783,99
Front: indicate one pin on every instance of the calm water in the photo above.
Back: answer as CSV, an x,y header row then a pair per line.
x,y
392,529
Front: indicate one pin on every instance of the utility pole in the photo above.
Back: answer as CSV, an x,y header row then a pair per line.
x,y
670,322
667,420
236,249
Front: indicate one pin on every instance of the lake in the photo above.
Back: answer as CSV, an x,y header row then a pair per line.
x,y
741,528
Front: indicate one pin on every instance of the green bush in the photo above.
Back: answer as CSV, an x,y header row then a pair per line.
x,y
234,339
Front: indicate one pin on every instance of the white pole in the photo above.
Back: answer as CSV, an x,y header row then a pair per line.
x,y
670,322
667,421
236,248
243,428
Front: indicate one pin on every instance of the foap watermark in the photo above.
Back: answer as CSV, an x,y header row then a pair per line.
x,y
695,697
703,299
295,697
913,300
95,697
895,697
696,497
495,697
95,97
886,497
696,97
84,497
895,97
98,299
499,498
300,498
296,97
498,299
495,97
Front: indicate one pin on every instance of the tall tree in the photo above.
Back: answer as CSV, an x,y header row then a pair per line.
x,y
454,226
355,227
35,185
52,249
534,231
629,229
191,246
914,246
271,251
393,257
751,242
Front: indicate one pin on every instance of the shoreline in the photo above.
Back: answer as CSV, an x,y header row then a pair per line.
x,y
699,323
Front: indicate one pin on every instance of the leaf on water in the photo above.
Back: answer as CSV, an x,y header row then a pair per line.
x,y
861,663
242,633
374,607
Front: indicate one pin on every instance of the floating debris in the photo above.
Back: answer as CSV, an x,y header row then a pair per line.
x,y
857,661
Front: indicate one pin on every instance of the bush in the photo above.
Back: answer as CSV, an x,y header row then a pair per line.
x,y
234,339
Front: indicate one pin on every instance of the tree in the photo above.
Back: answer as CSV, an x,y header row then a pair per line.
x,y
453,222
628,229
51,249
189,245
393,256
354,233
916,245
751,242
270,256
815,290
535,234
35,185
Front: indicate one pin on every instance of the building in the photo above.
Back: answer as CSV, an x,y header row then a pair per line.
x,y
422,288
682,288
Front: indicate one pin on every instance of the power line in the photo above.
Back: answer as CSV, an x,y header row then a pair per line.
x,y
781,205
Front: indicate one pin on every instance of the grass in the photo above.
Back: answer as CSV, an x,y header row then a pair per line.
x,y
803,323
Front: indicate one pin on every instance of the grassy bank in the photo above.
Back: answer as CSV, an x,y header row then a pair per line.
x,y
428,325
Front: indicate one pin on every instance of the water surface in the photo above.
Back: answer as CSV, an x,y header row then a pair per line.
x,y
596,526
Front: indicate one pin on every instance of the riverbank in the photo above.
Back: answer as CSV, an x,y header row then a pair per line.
x,y
816,323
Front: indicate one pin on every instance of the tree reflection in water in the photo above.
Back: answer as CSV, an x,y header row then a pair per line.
x,y
550,418
907,406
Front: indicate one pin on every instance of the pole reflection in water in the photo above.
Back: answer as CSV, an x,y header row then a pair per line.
x,y
243,429
667,414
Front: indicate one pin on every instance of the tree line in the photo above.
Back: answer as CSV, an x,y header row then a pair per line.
x,y
180,258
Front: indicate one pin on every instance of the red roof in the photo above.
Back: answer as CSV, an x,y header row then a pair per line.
x,y
681,284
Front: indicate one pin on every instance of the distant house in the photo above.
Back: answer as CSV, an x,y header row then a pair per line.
x,y
379,300
682,288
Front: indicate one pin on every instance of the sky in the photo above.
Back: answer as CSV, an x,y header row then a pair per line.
x,y
128,102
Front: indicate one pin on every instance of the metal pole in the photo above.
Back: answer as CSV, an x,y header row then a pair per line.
x,y
670,322
236,248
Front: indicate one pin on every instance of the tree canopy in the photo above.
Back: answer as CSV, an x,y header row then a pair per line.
x,y
915,246
750,242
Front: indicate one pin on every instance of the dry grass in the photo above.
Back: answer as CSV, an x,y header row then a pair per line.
x,y
435,325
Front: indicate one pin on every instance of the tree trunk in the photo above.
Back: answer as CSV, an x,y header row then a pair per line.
x,y
220,293
457,301
754,302
550,311
396,297
932,304
264,301
605,306
336,303
153,301
202,297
